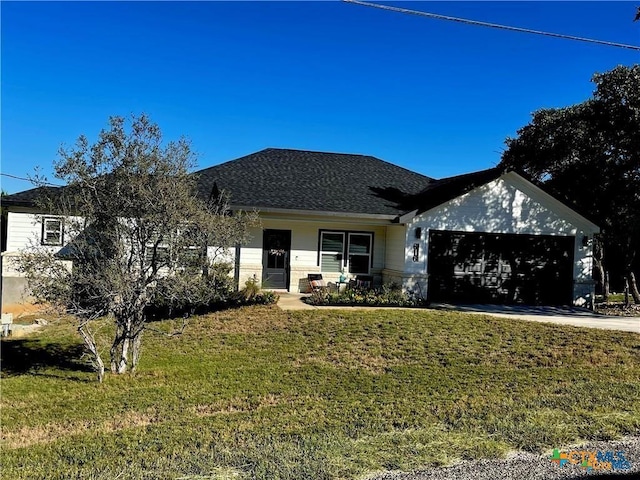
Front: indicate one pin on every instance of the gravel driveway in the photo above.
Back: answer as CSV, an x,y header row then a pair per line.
x,y
527,466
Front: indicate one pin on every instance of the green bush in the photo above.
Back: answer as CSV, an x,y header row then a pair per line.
x,y
252,295
390,295
251,289
265,298
190,293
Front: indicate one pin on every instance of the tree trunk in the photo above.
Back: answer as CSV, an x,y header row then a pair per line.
x,y
120,347
126,347
626,292
136,343
117,347
124,356
633,287
598,258
90,343
99,364
603,278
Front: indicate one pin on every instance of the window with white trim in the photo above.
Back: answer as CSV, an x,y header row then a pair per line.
x,y
345,250
182,249
331,251
359,252
192,253
52,231
159,254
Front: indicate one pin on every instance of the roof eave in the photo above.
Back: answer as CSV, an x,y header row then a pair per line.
x,y
321,213
18,203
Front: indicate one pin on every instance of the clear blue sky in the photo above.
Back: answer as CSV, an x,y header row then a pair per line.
x,y
433,96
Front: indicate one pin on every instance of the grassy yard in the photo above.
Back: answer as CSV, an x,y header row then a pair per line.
x,y
262,393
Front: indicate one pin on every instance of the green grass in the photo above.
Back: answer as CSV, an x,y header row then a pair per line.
x,y
261,393
614,298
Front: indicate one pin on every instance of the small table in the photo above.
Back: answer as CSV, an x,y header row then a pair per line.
x,y
339,283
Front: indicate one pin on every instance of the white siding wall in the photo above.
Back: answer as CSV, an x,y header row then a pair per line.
x,y
396,240
507,205
251,257
395,254
24,231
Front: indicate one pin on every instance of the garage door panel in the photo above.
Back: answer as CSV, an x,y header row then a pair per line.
x,y
470,267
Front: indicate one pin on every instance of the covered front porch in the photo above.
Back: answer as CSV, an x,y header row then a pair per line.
x,y
288,247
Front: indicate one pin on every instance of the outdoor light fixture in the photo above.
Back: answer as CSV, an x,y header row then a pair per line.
x,y
585,241
418,232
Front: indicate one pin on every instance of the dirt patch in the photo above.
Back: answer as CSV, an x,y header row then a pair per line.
x,y
23,309
242,405
19,330
618,309
245,320
28,436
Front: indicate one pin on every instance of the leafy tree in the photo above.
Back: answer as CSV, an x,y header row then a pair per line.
x,y
3,224
589,154
138,234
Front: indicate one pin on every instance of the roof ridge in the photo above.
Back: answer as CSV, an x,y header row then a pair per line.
x,y
342,154
316,151
474,173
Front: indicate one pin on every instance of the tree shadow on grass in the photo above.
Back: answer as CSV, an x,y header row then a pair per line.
x,y
26,355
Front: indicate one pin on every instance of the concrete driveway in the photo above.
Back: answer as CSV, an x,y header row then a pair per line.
x,y
578,317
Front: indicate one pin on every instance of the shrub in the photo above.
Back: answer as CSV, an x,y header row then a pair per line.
x,y
187,294
252,295
265,298
251,289
387,296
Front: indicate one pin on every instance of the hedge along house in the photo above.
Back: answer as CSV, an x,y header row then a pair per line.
x,y
489,236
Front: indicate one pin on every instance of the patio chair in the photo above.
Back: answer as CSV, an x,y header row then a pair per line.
x,y
363,281
316,282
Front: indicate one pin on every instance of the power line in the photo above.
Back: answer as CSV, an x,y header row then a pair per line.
x,y
28,180
491,25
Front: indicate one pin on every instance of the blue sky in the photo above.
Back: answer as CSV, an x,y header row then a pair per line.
x,y
433,96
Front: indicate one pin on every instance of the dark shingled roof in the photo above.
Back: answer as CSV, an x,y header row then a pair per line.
x,y
313,181
28,198
319,182
445,189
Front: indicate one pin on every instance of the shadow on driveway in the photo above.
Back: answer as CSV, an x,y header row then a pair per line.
x,y
521,310
578,317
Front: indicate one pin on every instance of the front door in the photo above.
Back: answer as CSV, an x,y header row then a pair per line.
x,y
276,247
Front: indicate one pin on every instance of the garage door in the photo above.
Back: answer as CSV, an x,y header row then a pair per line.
x,y
469,267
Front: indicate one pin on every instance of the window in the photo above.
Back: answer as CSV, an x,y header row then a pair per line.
x,y
191,256
191,251
352,250
52,231
359,252
162,256
182,249
331,251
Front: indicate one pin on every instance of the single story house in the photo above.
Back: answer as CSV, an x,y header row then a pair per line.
x,y
485,237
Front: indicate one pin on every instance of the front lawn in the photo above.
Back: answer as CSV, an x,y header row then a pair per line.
x,y
261,393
